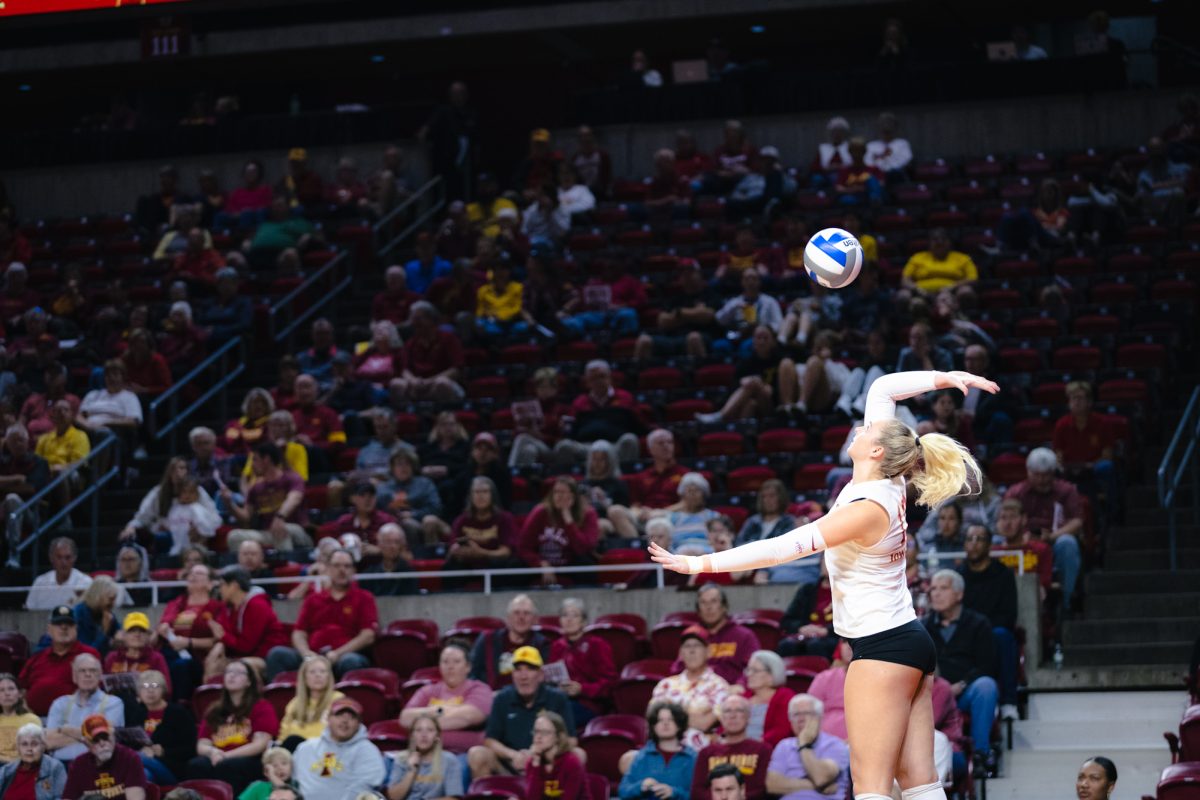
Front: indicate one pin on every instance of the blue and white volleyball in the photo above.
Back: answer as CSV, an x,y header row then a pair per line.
x,y
833,258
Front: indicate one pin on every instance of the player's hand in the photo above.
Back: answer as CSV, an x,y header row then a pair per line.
x,y
680,564
965,381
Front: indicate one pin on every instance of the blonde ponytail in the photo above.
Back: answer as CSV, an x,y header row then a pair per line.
x,y
948,470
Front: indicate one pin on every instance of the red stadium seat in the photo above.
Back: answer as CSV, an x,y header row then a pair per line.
x,y
737,515
623,555
385,677
1034,430
402,652
1036,328
1113,293
1141,355
664,638
811,477
471,627
798,680
1017,269
388,735
659,378
690,617
1020,359
16,646
371,695
767,630
1001,298
833,437
606,738
586,242
782,440
1120,390
720,443
279,695
580,351
1180,782
209,789
1007,469
1095,325
1186,746
810,663
648,668
686,410
1173,290
599,786
747,479
522,354
1052,393
714,376
635,621
622,640
490,386
1074,266
1184,261
632,695
497,787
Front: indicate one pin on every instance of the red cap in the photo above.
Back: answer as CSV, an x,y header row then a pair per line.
x,y
345,704
694,632
95,725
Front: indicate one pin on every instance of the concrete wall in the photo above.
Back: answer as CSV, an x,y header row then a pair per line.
x,y
1021,125
79,190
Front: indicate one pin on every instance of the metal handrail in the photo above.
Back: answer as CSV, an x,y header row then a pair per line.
x,y
1169,480
433,193
170,398
286,303
32,506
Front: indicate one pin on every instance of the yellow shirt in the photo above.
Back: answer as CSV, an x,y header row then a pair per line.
x,y
66,449
288,726
489,227
294,456
502,307
930,275
9,724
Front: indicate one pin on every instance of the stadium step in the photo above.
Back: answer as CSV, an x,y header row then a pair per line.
x,y
1142,536
1144,582
1129,630
1143,652
1159,558
1144,606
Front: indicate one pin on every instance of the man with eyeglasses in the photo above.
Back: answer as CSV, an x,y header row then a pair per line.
x,y
747,757
339,623
108,769
810,764
65,737
991,589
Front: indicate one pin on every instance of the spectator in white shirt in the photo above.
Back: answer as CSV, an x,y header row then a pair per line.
x,y
574,197
835,153
61,586
114,405
889,152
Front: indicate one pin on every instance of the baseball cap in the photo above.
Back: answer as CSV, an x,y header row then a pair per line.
x,y
483,437
769,151
693,632
345,704
362,487
527,655
61,614
136,619
95,725
297,154
539,135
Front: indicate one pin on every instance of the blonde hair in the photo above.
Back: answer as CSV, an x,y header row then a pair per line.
x,y
102,586
562,740
940,467
273,754
435,762
301,711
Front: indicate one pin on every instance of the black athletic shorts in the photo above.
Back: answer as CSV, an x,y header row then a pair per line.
x,y
908,644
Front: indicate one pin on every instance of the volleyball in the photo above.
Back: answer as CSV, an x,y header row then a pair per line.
x,y
833,258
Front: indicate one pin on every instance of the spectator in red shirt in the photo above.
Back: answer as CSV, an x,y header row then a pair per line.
x,y
247,629
689,162
235,731
384,357
857,183
743,758
833,154
729,645
134,654
35,411
181,343
347,194
396,299
319,427
561,531
363,519
146,370
254,194
1055,512
17,297
484,534
593,164
589,663
339,622
433,359
554,771
273,513
199,263
1083,442
602,412
14,247
652,489
47,674
732,159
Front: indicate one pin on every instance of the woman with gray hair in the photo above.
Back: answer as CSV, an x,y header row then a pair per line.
x,y
384,358
33,774
181,343
242,434
589,662
768,694
602,481
689,517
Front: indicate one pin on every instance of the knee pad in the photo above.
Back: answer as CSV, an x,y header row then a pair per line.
x,y
930,791
871,797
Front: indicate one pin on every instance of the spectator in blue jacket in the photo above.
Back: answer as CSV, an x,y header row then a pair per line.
x,y
662,769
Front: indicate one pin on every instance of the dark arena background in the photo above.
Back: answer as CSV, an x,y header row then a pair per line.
x,y
337,332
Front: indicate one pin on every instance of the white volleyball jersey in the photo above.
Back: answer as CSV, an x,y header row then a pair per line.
x,y
869,585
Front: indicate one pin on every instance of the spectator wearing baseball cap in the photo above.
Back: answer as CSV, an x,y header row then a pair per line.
x,y
484,213
485,460
107,769
136,654
508,739
47,674
697,689
539,167
301,186
65,735
363,519
342,762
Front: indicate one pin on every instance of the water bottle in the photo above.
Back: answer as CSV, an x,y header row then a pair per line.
x,y
1058,658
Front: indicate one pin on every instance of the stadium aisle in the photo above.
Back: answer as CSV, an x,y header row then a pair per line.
x,y
1047,749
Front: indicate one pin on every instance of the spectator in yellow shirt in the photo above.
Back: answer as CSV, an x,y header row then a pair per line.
x,y
938,267
484,213
498,302
64,446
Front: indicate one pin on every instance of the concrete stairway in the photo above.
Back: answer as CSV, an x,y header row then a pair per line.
x,y
1065,729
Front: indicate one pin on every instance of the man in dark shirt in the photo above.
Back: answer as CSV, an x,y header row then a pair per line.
x,y
509,733
688,322
749,757
22,472
493,658
229,314
394,556
965,655
765,380
107,769
991,589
